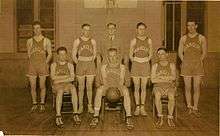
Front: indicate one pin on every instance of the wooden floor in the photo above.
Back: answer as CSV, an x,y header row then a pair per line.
x,y
16,119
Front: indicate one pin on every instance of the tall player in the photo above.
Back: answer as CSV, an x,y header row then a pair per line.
x,y
37,48
84,54
192,51
140,55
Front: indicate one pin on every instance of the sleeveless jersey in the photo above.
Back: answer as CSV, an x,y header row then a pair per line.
x,y
85,48
62,70
192,48
141,49
38,54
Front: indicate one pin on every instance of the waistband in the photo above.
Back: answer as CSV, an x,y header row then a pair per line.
x,y
83,58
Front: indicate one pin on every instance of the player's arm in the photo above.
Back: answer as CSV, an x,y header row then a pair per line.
x,y
150,50
173,74
94,48
180,49
68,78
204,48
74,50
49,51
131,51
28,45
122,75
104,75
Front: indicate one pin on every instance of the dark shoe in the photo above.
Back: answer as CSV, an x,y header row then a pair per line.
x,y
76,119
171,123
129,123
59,122
94,122
159,122
34,108
197,113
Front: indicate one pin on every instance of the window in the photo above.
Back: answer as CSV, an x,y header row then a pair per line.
x,y
27,12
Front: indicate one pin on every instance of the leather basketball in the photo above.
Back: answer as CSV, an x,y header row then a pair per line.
x,y
113,94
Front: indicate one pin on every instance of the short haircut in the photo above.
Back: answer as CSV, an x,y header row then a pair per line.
x,y
141,24
83,25
111,24
36,23
192,20
112,50
162,48
61,49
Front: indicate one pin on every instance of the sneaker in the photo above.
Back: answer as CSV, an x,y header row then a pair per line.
x,y
76,119
90,109
197,113
129,123
59,122
34,108
142,111
42,107
170,123
188,111
137,111
94,122
159,122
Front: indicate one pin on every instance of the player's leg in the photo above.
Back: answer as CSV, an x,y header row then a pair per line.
x,y
144,81
59,100
89,89
136,81
32,80
158,104
42,92
81,86
74,100
187,82
171,105
196,88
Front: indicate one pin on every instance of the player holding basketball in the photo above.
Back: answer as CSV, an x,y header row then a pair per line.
x,y
84,54
192,52
140,55
113,75
37,48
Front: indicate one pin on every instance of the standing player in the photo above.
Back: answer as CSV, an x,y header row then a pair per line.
x,y
163,76
62,74
37,48
113,74
140,55
84,54
192,51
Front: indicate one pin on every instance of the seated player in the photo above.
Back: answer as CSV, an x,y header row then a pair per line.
x,y
62,74
163,75
113,75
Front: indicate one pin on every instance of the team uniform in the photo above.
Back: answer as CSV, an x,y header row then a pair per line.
x,y
37,60
191,64
62,70
165,87
113,77
86,64
141,51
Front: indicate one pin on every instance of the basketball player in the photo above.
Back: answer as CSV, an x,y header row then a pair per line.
x,y
112,40
84,54
163,76
62,74
140,55
113,75
37,48
192,51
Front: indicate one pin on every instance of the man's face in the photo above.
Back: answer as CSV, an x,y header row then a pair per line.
x,y
111,29
141,30
86,30
162,54
113,57
191,26
62,55
37,29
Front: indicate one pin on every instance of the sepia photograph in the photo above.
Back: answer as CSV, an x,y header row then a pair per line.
x,y
109,67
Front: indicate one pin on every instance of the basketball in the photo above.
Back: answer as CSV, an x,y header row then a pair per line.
x,y
113,94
